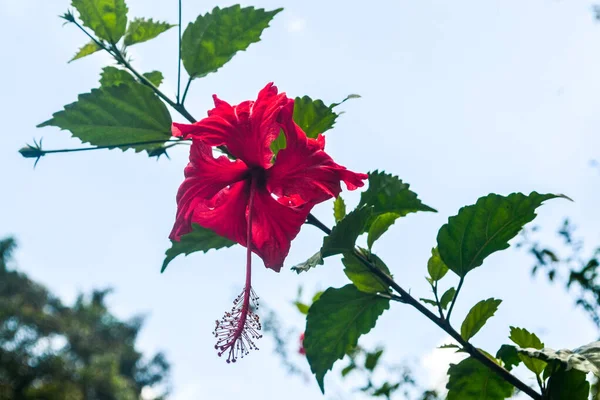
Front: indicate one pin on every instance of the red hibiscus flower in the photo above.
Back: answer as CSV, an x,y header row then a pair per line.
x,y
301,349
253,200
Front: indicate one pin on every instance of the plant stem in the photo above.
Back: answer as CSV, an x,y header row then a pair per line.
x,y
444,324
112,146
185,92
437,300
179,56
460,283
405,297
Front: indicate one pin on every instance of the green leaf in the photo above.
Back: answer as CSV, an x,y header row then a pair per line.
x,y
349,97
478,316
585,358
471,380
339,209
524,339
303,308
568,384
387,193
362,277
486,227
447,298
156,77
107,18
429,301
348,369
343,236
112,76
435,266
199,239
313,116
335,322
116,115
372,359
379,226
141,30
86,50
509,356
313,261
215,37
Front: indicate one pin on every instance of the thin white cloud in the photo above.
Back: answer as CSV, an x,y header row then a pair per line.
x,y
296,25
436,363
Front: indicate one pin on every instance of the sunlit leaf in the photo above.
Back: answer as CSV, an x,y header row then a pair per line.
x,y
215,37
525,339
478,316
339,209
107,18
447,298
379,226
435,266
156,77
86,50
142,29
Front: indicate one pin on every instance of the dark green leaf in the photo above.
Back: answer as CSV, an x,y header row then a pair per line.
x,y
447,298
485,227
339,209
199,239
471,380
348,369
571,385
112,76
585,358
386,390
156,77
116,115
361,276
379,226
334,324
435,266
141,29
107,18
343,236
525,339
387,193
478,316
303,308
215,37
372,359
313,261
509,356
86,50
429,301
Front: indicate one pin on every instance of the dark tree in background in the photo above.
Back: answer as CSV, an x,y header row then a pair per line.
x,y
52,351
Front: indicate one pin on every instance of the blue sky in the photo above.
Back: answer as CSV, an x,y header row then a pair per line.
x,y
459,99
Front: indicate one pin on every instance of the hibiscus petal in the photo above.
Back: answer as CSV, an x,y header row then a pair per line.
x,y
304,169
205,177
274,226
247,129
226,212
